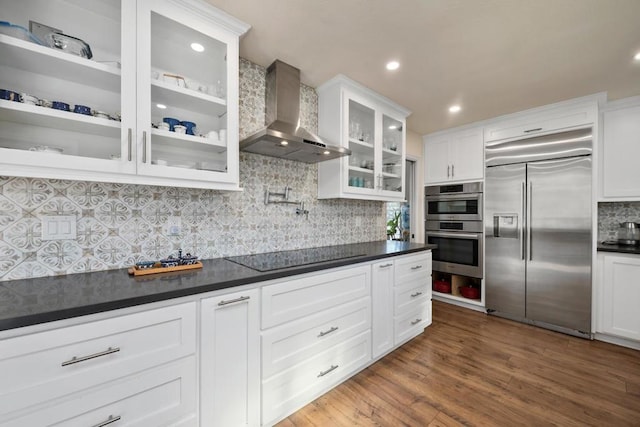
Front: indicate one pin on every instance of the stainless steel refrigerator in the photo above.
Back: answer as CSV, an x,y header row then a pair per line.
x,y
538,220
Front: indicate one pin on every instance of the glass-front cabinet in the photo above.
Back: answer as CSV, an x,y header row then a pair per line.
x,y
120,91
373,128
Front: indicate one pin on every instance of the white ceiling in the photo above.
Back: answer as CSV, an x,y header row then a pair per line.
x,y
491,56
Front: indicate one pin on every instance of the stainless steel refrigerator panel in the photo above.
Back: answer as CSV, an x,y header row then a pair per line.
x,y
504,245
559,243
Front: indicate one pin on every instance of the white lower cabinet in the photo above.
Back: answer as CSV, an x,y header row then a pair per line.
x,y
163,396
42,369
230,360
619,289
412,296
382,301
316,331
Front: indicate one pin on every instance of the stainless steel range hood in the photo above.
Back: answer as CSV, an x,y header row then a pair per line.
x,y
284,137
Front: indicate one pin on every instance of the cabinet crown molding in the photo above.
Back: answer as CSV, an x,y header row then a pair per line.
x,y
341,79
214,15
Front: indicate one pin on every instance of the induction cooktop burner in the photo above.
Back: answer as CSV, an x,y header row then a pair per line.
x,y
285,259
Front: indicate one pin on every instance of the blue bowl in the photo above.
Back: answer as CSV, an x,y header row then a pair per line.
x,y
189,126
82,109
9,95
172,122
57,105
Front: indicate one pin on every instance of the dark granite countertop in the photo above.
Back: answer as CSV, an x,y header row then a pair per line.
x,y
614,247
31,301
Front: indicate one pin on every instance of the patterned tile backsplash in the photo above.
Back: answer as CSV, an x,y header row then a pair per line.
x,y
119,224
611,214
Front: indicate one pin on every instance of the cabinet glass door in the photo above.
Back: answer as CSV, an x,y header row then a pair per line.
x,y
392,155
182,102
362,138
61,100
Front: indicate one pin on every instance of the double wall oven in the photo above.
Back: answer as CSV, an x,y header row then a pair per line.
x,y
453,221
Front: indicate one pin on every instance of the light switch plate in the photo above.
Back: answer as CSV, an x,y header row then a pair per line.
x,y
59,227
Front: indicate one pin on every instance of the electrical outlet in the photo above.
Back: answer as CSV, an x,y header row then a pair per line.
x,y
174,226
59,227
358,221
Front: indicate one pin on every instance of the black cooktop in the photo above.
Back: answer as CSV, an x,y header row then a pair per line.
x,y
270,261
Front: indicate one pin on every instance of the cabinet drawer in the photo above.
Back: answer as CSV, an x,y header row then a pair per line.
x,y
297,298
43,366
407,298
413,268
292,389
292,343
542,122
410,324
159,397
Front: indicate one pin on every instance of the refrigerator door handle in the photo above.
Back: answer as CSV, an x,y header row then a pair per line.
x,y
496,226
523,223
530,221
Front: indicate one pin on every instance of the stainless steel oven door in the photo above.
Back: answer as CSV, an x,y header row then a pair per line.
x,y
457,252
454,207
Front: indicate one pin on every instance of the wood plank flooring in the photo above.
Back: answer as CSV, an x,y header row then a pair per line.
x,y
471,369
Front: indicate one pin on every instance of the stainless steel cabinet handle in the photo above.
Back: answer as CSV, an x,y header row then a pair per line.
x,y
530,221
323,333
323,373
452,170
417,267
523,222
108,421
417,294
386,265
144,146
129,142
231,301
415,322
448,166
532,130
75,359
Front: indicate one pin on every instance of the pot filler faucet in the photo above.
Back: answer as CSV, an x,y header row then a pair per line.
x,y
300,210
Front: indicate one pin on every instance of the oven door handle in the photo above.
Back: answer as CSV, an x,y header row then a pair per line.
x,y
467,196
455,235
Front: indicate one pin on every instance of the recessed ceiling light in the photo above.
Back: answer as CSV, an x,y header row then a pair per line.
x,y
161,106
392,127
455,108
197,47
637,56
327,153
283,142
393,65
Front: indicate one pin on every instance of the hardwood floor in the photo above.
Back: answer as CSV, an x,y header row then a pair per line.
x,y
471,369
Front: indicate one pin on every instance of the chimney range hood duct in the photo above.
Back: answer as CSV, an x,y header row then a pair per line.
x,y
284,137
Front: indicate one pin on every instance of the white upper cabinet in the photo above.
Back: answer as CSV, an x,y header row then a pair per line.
x,y
373,128
620,150
141,60
456,155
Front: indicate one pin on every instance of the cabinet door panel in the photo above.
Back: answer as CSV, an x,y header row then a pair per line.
x,y
467,155
621,149
436,160
621,292
382,306
230,360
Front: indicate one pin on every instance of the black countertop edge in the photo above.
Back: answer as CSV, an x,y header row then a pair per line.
x,y
28,302
623,249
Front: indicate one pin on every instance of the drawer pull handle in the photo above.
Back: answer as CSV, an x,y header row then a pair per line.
x,y
108,421
323,373
417,267
532,130
386,265
75,359
415,322
323,333
231,301
417,294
